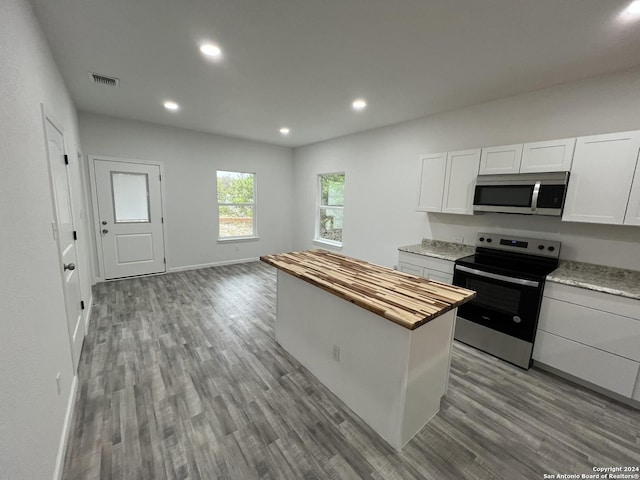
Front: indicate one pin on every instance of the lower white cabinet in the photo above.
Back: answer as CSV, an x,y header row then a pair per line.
x,y
428,267
592,336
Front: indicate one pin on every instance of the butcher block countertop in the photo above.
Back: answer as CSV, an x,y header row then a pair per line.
x,y
405,299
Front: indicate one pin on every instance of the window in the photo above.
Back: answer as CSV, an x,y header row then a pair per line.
x,y
236,205
330,208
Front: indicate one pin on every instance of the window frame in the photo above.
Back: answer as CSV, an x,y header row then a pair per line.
x,y
239,238
320,206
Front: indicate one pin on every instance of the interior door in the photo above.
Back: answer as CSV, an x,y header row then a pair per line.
x,y
64,229
129,200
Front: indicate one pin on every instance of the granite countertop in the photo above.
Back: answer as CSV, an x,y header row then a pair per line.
x,y
439,249
616,281
404,299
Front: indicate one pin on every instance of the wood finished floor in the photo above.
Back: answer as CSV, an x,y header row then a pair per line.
x,y
181,378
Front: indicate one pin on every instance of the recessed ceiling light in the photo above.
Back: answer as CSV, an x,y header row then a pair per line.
x,y
210,50
359,104
285,131
632,11
173,106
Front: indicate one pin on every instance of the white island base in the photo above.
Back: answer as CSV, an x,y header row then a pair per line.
x,y
390,376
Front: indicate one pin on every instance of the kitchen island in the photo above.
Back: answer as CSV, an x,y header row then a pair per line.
x,y
379,339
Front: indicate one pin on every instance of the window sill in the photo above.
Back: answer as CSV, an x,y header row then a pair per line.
x,y
238,239
328,243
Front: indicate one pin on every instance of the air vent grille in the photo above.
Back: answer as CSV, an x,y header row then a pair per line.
x,y
105,80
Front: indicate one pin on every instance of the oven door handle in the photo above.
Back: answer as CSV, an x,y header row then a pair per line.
x,y
495,276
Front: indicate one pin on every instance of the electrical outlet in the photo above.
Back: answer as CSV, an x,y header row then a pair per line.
x,y
458,239
59,382
336,353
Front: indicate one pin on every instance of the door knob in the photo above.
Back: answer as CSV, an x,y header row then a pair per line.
x,y
69,266
104,230
104,222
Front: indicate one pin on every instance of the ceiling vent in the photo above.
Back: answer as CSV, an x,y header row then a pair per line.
x,y
104,80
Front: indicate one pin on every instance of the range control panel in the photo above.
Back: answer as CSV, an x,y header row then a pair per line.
x,y
531,246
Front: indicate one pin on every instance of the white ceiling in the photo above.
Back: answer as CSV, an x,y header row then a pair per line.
x,y
300,63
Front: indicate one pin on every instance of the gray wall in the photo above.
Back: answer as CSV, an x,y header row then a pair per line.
x,y
190,162
382,172
34,342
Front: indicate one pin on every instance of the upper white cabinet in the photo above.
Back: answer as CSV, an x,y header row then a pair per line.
x,y
498,160
601,179
447,182
549,156
460,181
433,168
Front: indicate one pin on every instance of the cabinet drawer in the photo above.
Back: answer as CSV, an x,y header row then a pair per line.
x,y
603,330
432,263
438,276
412,269
604,369
607,302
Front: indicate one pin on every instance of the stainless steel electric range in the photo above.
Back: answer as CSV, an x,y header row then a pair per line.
x,y
508,274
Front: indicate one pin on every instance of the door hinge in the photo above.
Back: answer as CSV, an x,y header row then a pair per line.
x,y
160,177
75,235
82,304
66,159
162,219
165,261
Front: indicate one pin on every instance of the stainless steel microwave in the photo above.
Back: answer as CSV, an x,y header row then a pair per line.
x,y
524,193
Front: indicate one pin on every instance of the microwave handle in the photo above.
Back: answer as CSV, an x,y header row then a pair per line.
x,y
534,197
495,276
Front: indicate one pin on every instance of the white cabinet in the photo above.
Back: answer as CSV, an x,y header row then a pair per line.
x,y
590,335
447,182
548,156
632,216
534,157
498,160
460,181
601,178
428,267
433,168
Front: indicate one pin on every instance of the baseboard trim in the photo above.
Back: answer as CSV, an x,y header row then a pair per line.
x,y
213,264
66,429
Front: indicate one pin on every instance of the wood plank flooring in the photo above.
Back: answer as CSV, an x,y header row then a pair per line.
x,y
181,378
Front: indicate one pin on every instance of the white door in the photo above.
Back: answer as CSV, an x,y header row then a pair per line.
x,y
601,178
460,181
66,239
549,156
129,201
432,182
498,160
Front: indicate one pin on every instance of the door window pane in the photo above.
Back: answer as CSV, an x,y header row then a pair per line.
x,y
130,197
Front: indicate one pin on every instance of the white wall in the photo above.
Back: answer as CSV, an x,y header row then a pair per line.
x,y
382,172
34,342
190,162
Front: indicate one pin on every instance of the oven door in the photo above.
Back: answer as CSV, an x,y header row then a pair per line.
x,y
504,303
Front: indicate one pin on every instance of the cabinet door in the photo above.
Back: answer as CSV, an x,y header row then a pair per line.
x,y
460,181
552,156
432,182
601,177
505,159
632,217
412,269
